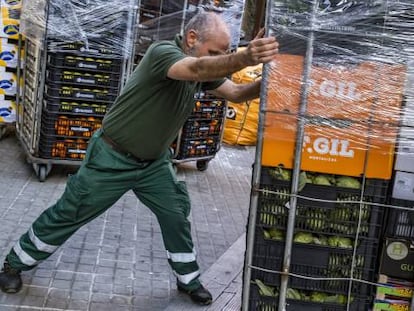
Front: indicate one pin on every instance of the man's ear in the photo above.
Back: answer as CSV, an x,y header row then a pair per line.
x,y
191,38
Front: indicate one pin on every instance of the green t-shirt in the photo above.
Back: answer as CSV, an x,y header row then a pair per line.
x,y
151,109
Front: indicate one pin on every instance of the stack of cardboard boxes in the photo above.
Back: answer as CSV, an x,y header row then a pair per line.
x,y
9,31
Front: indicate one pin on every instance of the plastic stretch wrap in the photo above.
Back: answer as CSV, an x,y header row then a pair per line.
x,y
161,20
92,23
344,74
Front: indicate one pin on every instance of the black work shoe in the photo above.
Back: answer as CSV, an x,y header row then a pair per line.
x,y
10,280
199,295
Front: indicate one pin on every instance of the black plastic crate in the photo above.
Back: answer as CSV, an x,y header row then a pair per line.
x,y
208,109
81,78
55,124
201,128
78,93
85,63
327,210
62,148
259,302
75,107
317,261
400,223
94,47
193,148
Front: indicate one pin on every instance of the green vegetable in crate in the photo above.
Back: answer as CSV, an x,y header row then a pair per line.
x,y
318,296
340,299
303,180
363,211
293,294
315,219
341,242
340,214
320,240
265,290
322,179
280,173
347,182
265,307
267,219
276,234
303,237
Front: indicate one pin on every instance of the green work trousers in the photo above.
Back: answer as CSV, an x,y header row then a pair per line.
x,y
104,176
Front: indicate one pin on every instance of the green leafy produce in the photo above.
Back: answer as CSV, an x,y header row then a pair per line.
x,y
303,237
318,297
364,210
293,294
266,234
266,290
303,180
273,234
348,182
315,219
320,240
340,299
267,219
341,242
265,307
340,214
280,173
322,179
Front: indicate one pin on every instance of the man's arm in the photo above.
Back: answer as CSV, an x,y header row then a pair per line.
x,y
208,68
238,93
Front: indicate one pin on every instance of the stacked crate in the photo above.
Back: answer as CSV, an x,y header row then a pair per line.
x,y
162,20
200,136
77,59
9,52
333,99
397,258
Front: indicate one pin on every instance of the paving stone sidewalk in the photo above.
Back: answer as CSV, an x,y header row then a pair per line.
x,y
117,262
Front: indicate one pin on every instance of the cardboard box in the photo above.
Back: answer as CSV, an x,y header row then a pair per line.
x,y
8,53
337,89
404,160
403,186
394,288
9,28
391,305
397,259
11,4
7,111
8,82
330,146
10,22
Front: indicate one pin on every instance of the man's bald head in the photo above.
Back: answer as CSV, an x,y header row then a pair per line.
x,y
208,25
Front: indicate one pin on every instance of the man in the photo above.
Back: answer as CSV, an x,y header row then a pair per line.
x,y
131,150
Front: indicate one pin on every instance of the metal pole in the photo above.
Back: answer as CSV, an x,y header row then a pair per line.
x,y
255,184
297,163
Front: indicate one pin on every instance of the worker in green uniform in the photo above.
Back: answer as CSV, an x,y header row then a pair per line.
x,y
131,151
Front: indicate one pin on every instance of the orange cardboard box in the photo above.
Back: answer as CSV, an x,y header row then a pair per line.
x,y
337,89
330,146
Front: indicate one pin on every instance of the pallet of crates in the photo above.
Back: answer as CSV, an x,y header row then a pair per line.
x,y
397,255
200,137
77,61
326,138
9,52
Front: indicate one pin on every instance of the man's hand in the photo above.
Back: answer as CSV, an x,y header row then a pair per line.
x,y
260,49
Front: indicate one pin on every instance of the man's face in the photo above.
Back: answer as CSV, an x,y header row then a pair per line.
x,y
216,44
